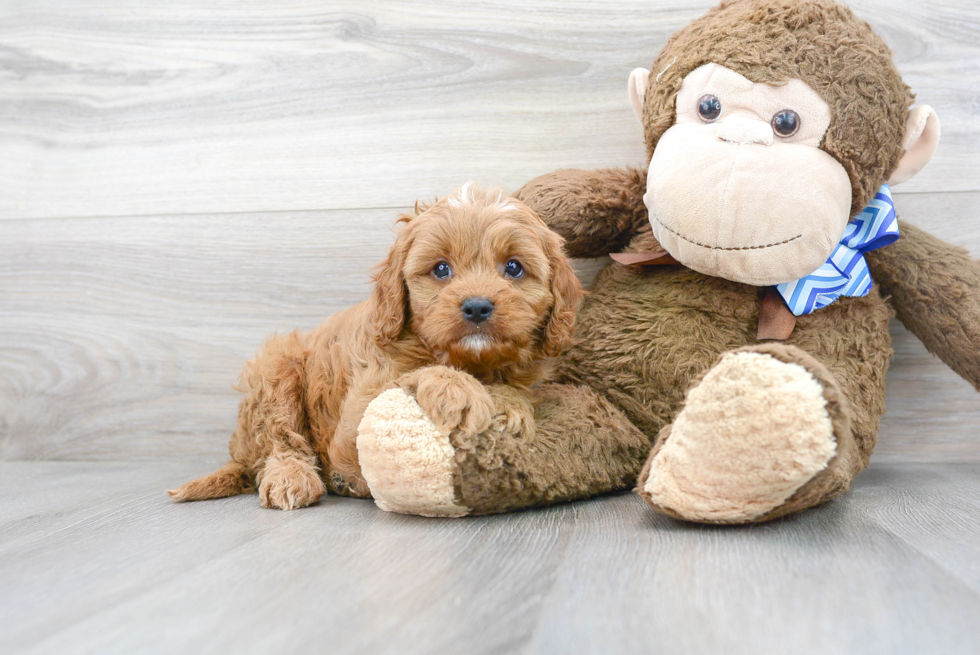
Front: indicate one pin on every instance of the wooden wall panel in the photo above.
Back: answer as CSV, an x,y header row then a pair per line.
x,y
132,107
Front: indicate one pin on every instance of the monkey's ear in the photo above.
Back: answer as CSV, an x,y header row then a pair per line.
x,y
639,79
921,139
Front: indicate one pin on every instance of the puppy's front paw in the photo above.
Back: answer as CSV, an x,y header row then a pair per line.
x,y
289,483
513,413
454,400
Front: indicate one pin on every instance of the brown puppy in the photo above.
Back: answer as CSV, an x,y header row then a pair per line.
x,y
475,294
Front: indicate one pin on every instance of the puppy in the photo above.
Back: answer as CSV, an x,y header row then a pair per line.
x,y
475,294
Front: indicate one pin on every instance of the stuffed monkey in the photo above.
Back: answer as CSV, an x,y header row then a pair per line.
x,y
741,335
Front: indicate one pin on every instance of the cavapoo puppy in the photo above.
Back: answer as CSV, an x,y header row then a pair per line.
x,y
475,294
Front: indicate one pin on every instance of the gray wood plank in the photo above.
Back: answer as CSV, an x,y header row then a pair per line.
x,y
829,581
143,326
347,575
121,337
607,575
126,107
41,499
934,509
931,414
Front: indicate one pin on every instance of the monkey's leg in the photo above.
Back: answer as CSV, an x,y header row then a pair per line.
x,y
767,431
578,445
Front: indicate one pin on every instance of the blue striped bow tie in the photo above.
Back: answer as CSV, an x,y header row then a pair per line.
x,y
846,273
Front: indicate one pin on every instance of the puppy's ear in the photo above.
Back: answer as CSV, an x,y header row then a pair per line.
x,y
390,294
567,291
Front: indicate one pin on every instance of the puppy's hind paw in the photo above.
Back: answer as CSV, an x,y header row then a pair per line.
x,y
289,483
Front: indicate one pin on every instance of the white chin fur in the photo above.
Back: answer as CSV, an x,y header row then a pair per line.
x,y
475,342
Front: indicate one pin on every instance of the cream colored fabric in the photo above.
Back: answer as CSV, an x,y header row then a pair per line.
x,y
921,139
732,210
637,88
405,459
738,129
751,433
758,102
723,196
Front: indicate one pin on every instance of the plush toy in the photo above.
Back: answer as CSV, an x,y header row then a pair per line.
x,y
743,329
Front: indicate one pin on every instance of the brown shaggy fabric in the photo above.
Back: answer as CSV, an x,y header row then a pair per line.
x,y
644,336
597,212
506,472
818,41
934,288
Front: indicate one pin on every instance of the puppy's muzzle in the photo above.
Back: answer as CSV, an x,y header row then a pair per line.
x,y
477,309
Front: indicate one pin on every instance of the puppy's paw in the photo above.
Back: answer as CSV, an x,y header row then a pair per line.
x,y
454,400
514,412
289,483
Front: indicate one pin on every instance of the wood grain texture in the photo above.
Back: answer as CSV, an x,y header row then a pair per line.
x,y
97,559
121,337
934,509
129,107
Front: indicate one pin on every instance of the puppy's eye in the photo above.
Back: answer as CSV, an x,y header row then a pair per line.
x,y
709,108
442,271
513,269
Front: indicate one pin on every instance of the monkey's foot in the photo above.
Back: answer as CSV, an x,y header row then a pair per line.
x,y
756,439
407,461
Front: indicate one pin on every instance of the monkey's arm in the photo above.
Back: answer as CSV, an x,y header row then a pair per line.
x,y
597,212
935,289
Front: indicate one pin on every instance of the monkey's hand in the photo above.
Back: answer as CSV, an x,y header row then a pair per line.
x,y
935,289
597,212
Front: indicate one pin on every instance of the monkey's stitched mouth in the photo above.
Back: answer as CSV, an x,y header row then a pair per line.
x,y
704,245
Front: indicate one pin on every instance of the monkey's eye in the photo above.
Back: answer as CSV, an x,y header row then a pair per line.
x,y
709,108
786,123
442,271
513,269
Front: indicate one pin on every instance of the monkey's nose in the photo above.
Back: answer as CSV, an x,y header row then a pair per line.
x,y
477,310
738,129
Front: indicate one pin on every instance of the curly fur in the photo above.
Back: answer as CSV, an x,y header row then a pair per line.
x,y
305,393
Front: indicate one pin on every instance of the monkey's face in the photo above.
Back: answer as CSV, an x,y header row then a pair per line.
x,y
739,188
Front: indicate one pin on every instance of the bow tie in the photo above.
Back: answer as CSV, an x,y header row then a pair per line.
x,y
845,273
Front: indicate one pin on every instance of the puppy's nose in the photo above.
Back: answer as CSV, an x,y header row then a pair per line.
x,y
477,309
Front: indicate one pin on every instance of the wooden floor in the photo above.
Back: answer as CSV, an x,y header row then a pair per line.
x,y
178,180
94,558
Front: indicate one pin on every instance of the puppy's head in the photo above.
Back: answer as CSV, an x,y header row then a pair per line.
x,y
480,279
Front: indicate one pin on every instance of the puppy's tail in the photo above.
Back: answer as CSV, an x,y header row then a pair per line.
x,y
230,480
